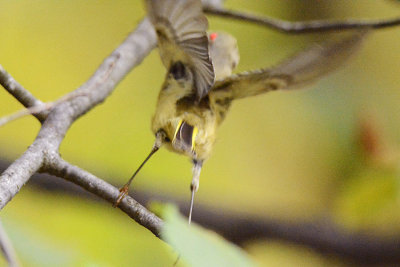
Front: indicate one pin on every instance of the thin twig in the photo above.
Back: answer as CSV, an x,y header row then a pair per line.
x,y
7,248
19,92
27,111
39,109
42,108
303,27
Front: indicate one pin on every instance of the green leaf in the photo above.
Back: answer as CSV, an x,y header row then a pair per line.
x,y
196,245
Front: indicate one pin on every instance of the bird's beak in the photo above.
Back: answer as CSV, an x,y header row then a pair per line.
x,y
160,137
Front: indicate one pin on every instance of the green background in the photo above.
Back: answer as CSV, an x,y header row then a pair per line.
x,y
292,156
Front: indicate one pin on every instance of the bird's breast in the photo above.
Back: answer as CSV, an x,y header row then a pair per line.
x,y
190,126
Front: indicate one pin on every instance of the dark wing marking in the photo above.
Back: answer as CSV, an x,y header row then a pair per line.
x,y
177,70
181,30
301,69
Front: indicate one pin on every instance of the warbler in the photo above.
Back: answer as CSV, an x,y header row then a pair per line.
x,y
199,86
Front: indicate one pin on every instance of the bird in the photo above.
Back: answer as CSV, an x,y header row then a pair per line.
x,y
199,86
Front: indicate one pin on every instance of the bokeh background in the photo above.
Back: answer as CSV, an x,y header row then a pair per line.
x,y
330,152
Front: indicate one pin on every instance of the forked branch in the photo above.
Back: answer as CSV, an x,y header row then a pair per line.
x,y
44,149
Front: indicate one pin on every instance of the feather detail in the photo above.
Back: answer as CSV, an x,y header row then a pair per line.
x,y
181,30
297,71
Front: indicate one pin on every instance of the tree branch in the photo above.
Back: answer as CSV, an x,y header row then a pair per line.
x,y
321,235
104,190
302,27
44,108
45,147
19,92
19,172
43,154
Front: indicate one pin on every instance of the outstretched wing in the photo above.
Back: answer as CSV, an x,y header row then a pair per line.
x,y
295,72
181,30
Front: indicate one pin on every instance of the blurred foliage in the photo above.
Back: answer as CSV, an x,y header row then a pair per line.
x,y
59,230
301,160
197,246
278,254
